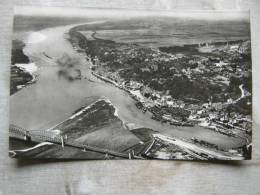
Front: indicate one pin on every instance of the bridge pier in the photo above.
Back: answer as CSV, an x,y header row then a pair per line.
x,y
106,156
131,154
27,137
62,142
63,138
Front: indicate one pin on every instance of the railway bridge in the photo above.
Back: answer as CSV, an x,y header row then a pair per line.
x,y
52,137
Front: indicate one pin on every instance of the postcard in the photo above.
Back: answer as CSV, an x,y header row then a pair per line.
x,y
91,83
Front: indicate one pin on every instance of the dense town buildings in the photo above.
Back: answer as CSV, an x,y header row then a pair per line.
x,y
206,84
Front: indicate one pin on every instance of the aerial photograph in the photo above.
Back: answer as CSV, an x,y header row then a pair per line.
x,y
110,84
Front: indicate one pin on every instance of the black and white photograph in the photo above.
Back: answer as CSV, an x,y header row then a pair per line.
x,y
89,83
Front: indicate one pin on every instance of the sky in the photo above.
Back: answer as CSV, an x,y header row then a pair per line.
x,y
125,13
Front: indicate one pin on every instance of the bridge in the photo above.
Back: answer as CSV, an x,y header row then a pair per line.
x,y
50,136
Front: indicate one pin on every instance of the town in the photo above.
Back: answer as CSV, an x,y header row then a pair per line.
x,y
205,84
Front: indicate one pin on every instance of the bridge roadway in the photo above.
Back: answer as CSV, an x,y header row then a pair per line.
x,y
49,136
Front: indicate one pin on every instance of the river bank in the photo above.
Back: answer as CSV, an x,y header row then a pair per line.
x,y
23,70
53,99
140,100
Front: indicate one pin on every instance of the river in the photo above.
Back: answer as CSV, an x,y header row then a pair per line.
x,y
52,99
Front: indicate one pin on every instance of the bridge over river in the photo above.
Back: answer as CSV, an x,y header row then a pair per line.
x,y
50,136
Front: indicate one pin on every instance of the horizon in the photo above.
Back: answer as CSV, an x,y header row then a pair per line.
x,y
208,15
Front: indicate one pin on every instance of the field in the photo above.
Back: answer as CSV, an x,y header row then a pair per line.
x,y
158,32
98,126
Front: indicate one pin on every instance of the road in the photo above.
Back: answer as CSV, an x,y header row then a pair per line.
x,y
197,149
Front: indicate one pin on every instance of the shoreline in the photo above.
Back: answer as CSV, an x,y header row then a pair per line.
x,y
209,127
27,83
227,133
115,84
